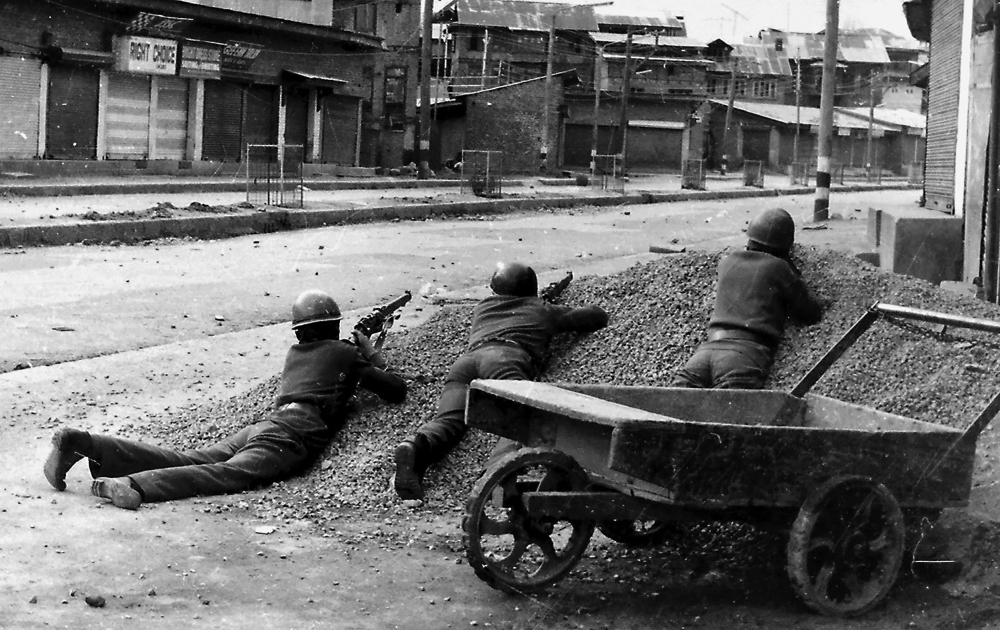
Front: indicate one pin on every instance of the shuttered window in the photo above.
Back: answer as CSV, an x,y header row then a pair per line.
x,y
223,122
21,80
942,104
127,112
171,118
71,121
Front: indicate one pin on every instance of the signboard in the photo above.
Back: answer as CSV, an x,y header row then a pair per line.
x,y
200,61
237,57
156,24
843,131
145,55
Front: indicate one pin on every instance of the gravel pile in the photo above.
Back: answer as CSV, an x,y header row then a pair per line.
x,y
659,312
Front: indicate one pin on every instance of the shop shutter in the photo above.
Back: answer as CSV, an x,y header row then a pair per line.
x,y
223,122
127,114
171,118
757,144
942,104
260,123
296,116
655,147
340,129
21,78
71,122
579,139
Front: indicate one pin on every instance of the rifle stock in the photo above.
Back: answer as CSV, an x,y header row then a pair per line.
x,y
552,292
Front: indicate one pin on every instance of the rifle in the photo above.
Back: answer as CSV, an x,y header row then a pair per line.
x,y
381,318
552,292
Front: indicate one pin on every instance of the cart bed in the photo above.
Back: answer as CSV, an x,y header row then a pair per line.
x,y
727,448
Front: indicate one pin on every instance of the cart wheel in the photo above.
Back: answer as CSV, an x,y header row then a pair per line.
x,y
846,546
640,533
510,549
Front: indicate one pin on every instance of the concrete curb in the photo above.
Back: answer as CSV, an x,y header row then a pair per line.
x,y
278,220
57,189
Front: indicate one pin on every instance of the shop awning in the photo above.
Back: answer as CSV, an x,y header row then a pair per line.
x,y
317,80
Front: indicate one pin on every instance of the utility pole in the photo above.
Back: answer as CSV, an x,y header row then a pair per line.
x,y
871,125
598,58
821,206
426,59
798,108
626,89
729,116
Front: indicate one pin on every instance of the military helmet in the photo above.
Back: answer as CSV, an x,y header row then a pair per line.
x,y
515,279
773,228
312,307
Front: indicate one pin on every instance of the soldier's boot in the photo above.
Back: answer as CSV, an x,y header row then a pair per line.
x,y
407,481
68,447
119,490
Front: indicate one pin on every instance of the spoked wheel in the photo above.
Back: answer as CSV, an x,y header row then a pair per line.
x,y
846,546
640,533
510,549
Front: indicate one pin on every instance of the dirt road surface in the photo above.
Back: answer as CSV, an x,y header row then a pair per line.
x,y
207,563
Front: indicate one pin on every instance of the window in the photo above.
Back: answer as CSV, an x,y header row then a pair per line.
x,y
366,19
475,42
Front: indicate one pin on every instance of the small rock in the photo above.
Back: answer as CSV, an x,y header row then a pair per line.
x,y
95,601
33,600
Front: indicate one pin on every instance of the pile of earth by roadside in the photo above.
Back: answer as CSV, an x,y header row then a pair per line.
x,y
658,316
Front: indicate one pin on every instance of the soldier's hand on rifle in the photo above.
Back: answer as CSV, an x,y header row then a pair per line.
x,y
368,349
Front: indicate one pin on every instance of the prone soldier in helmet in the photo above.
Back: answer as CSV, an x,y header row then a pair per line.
x,y
509,339
320,375
758,289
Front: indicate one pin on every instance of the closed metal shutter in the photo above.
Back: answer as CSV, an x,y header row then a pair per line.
x,y
171,118
757,144
942,104
578,140
260,122
655,147
296,117
223,122
71,121
340,130
21,80
127,112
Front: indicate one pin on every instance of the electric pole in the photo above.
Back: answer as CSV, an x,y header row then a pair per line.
x,y
426,59
821,206
871,125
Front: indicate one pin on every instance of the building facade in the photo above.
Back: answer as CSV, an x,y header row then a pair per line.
x,y
159,81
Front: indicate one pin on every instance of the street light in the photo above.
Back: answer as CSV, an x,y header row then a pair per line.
x,y
548,72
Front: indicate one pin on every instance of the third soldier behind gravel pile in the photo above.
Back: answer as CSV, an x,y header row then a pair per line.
x,y
509,339
757,291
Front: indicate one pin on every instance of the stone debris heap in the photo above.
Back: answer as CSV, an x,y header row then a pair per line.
x,y
658,313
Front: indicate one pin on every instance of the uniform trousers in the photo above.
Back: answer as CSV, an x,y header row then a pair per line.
x,y
727,364
440,435
271,449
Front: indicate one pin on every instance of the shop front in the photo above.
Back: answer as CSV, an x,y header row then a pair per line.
x,y
21,76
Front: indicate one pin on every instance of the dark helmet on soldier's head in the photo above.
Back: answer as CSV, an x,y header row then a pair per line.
x,y
773,228
515,279
312,307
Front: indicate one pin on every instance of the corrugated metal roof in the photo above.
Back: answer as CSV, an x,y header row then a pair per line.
x,y
526,16
902,117
645,17
656,124
691,61
786,114
649,40
861,47
753,59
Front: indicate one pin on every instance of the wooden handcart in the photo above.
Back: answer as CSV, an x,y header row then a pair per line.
x,y
844,480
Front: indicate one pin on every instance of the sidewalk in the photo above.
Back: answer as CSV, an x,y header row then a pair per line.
x,y
108,209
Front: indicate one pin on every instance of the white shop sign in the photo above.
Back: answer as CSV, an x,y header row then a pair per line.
x,y
145,55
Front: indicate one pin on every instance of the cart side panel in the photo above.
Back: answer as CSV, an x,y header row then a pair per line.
x,y
510,419
729,406
726,465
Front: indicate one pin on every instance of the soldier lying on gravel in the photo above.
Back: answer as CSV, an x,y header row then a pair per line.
x,y
509,339
321,374
757,290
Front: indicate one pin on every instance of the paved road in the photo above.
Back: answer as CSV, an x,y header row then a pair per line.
x,y
65,303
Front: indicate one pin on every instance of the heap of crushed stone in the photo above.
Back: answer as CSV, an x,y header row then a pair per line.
x,y
658,313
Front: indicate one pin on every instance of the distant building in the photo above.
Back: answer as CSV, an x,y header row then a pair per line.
x,y
163,82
